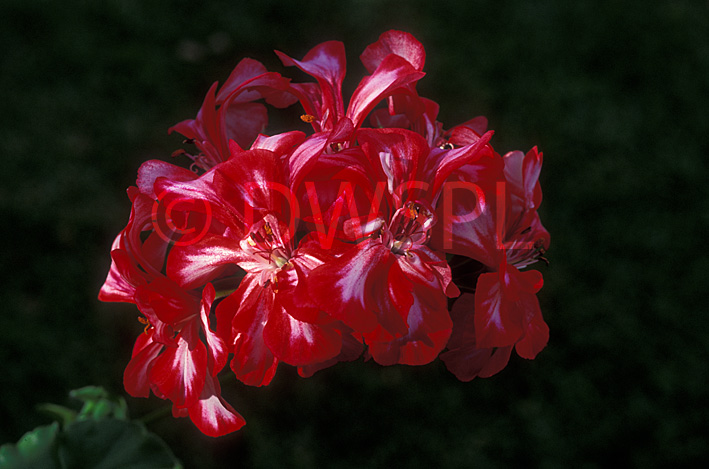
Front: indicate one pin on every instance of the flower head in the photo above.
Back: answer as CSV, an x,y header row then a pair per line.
x,y
312,248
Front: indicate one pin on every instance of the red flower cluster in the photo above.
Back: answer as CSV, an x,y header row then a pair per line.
x,y
311,248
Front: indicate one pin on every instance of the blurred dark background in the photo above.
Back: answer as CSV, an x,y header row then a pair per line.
x,y
614,93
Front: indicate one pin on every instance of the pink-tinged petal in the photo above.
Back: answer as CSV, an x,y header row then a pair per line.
x,y
141,220
382,118
212,414
153,169
342,286
338,189
292,293
205,129
497,324
498,360
396,153
441,163
352,348
164,300
522,189
536,334
179,372
252,181
396,300
311,98
400,43
196,264
468,132
423,258
123,278
463,358
505,303
429,327
327,63
305,156
531,168
218,352
467,212
243,122
299,343
248,307
136,377
392,73
197,196
280,144
469,362
244,71
270,86
388,296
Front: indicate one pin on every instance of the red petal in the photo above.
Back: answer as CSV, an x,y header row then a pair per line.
x,y
212,414
251,180
153,169
400,43
179,372
305,156
466,212
341,287
244,121
463,358
392,73
299,343
165,301
216,347
245,70
469,362
441,163
136,377
280,144
429,327
253,363
122,280
325,62
396,154
536,334
497,324
352,348
196,264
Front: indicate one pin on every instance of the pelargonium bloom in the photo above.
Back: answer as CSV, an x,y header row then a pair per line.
x,y
170,357
355,238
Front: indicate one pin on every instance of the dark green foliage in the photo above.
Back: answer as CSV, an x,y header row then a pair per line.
x,y
614,93
99,436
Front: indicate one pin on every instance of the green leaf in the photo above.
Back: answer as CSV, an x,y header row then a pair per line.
x,y
58,412
99,404
35,449
112,443
89,393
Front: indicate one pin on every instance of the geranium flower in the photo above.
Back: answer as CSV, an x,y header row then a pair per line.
x,y
269,317
169,357
391,287
306,247
505,236
231,114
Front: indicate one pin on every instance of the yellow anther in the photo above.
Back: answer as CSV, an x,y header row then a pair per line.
x,y
143,320
308,118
